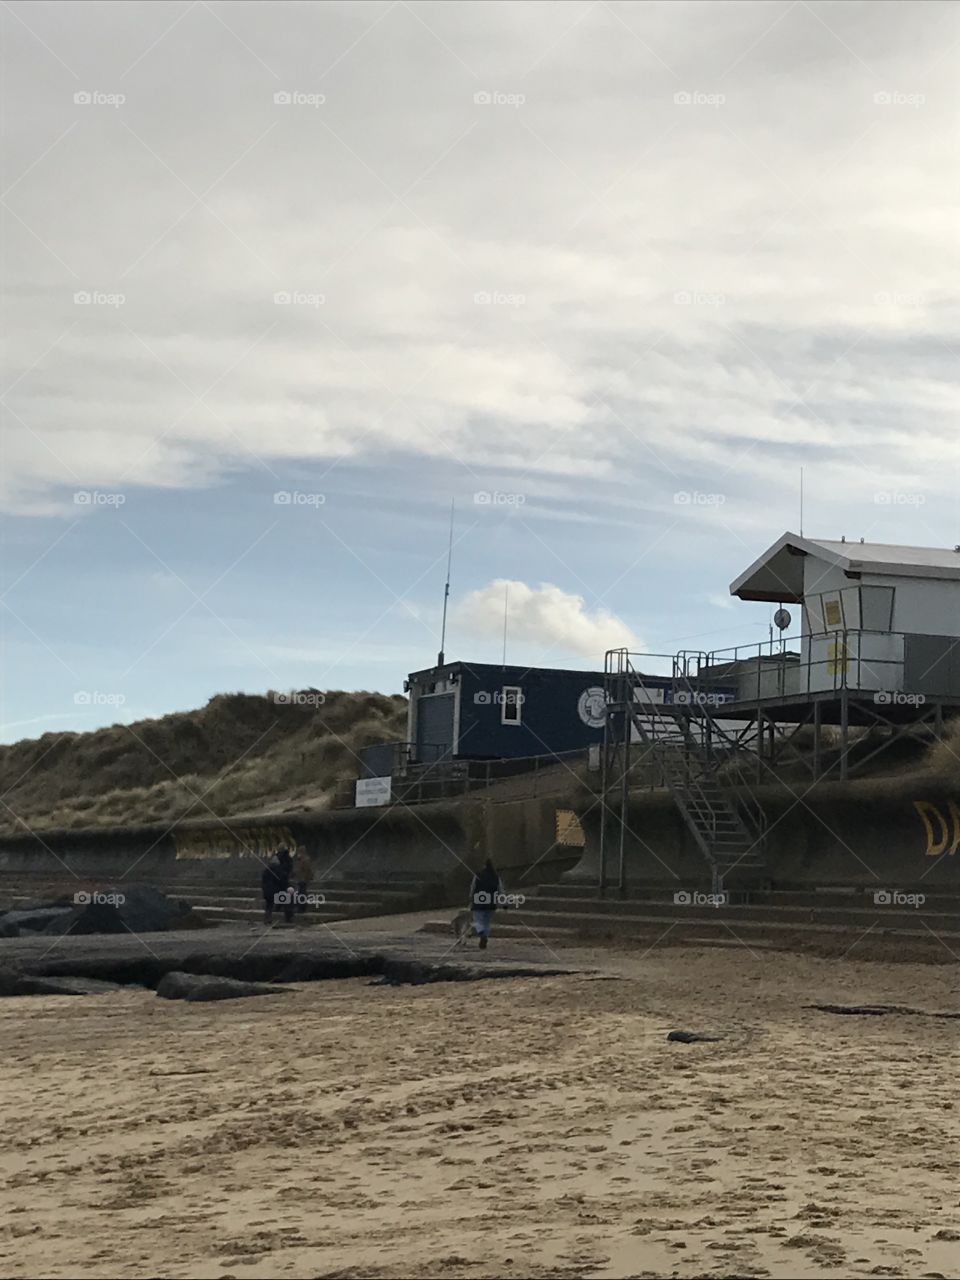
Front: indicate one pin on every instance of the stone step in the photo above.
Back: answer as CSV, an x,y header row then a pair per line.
x,y
719,920
861,915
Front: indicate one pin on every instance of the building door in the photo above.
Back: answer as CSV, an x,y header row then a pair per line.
x,y
435,726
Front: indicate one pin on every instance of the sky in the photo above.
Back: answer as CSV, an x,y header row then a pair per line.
x,y
282,281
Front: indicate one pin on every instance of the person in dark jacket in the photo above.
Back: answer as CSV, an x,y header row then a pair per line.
x,y
275,883
484,893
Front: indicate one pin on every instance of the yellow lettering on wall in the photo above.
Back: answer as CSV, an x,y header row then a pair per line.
x,y
936,840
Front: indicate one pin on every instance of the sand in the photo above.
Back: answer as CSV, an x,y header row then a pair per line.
x,y
541,1128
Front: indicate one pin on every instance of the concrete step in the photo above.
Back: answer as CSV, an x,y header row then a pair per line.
x,y
719,922
859,916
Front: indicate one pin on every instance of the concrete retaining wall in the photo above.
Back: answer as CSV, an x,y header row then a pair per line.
x,y
436,844
876,833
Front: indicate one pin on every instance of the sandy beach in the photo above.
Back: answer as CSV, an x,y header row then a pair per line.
x,y
541,1128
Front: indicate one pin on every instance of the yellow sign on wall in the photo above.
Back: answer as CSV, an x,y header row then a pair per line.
x,y
942,829
231,842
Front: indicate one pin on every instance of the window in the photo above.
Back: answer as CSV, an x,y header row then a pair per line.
x,y
511,703
876,607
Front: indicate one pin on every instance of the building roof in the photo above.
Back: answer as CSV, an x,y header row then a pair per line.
x,y
777,575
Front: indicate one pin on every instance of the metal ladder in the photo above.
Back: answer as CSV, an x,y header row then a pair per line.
x,y
728,828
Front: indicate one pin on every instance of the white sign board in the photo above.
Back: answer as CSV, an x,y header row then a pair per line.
x,y
371,791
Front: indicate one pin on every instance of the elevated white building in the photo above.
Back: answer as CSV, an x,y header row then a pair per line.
x,y
874,618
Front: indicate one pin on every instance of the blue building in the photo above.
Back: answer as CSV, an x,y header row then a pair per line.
x,y
484,711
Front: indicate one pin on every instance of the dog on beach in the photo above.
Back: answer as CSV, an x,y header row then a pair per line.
x,y
462,927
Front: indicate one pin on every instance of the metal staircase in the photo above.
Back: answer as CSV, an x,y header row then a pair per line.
x,y
675,729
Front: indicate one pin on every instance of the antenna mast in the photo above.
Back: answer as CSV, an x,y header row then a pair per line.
x,y
506,598
801,502
446,591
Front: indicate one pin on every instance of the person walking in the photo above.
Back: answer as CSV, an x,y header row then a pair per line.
x,y
275,884
485,891
302,875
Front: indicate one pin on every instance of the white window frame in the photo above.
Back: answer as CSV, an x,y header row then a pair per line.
x,y
514,704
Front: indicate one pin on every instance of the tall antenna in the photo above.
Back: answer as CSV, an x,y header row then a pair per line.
x,y
506,598
446,591
801,502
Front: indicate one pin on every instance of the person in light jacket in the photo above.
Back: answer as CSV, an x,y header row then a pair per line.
x,y
302,875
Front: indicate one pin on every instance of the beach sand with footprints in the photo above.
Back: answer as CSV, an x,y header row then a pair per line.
x,y
524,1127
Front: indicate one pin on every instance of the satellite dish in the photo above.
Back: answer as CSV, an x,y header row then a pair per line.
x,y
782,619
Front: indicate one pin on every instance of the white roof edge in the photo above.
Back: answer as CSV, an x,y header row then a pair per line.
x,y
787,540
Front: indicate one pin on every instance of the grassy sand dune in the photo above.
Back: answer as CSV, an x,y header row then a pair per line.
x,y
242,752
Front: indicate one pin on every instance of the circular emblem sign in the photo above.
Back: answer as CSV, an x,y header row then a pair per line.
x,y
592,707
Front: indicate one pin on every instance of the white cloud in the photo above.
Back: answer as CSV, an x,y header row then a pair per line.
x,y
547,616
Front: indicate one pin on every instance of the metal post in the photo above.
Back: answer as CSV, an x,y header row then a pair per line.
x,y
844,732
624,795
817,716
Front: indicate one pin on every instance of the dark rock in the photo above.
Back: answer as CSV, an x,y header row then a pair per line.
x,y
13,982
204,986
691,1037
38,917
135,908
8,929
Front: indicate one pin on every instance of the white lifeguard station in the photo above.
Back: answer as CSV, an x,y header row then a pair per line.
x,y
875,618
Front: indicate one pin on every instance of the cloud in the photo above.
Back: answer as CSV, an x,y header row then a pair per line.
x,y
546,616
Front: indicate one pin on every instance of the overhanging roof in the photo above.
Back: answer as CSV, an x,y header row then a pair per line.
x,y
777,576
